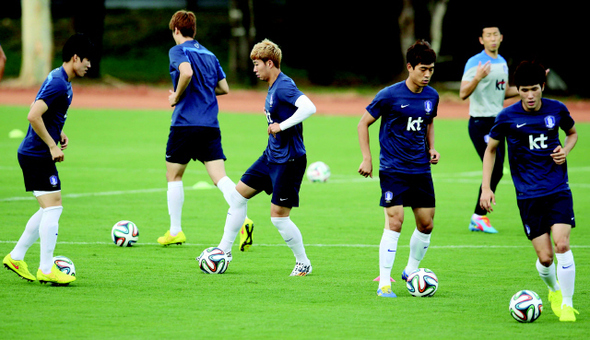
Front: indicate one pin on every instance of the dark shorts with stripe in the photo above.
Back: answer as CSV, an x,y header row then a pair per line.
x,y
409,190
282,180
193,142
539,214
40,173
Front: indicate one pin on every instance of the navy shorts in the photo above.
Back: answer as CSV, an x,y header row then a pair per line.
x,y
539,214
282,180
409,190
193,142
40,173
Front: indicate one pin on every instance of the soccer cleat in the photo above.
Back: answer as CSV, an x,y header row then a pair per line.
x,y
19,267
481,223
404,276
555,299
385,291
568,314
56,277
301,269
168,239
246,235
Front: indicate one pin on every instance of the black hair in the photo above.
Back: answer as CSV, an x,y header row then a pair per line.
x,y
420,53
79,45
529,73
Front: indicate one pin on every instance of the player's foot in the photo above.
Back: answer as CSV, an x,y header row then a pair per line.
x,y
301,269
568,314
555,299
168,239
481,223
19,267
404,276
56,277
385,291
246,234
229,257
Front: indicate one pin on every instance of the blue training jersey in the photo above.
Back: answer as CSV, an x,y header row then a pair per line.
x,y
531,139
279,106
56,92
198,104
405,117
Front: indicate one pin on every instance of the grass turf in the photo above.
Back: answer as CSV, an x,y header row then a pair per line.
x,y
114,169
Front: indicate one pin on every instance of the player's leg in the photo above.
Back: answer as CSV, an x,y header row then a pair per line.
x,y
566,269
394,218
236,214
15,259
546,269
175,199
420,240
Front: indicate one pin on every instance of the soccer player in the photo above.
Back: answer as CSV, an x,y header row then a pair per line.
x,y
406,137
198,78
485,83
539,172
280,169
41,148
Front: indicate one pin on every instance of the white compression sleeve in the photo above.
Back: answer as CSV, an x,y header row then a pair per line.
x,y
305,109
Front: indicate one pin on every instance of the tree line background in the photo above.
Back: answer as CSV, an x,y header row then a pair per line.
x,y
324,42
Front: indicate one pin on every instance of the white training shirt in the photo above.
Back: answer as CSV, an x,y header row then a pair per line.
x,y
487,100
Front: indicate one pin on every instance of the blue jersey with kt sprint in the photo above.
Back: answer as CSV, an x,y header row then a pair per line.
x,y
531,138
56,92
405,117
279,106
198,104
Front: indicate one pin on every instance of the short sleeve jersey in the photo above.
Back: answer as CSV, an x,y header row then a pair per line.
x,y
56,92
405,117
198,104
279,106
531,138
487,100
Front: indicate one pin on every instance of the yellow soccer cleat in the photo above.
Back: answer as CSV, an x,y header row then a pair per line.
x,y
568,314
555,299
246,235
19,267
56,277
168,239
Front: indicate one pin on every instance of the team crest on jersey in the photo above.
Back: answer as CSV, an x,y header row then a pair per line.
x,y
428,106
388,196
53,180
550,122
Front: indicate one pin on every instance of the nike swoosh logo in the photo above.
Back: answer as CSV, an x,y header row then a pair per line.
x,y
567,266
391,251
283,199
16,267
404,106
520,125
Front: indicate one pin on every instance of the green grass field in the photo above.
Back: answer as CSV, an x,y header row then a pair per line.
x,y
114,170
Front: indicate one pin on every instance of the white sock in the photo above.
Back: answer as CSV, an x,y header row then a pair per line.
x,y
387,251
548,276
175,202
566,274
29,236
419,243
238,208
292,237
48,232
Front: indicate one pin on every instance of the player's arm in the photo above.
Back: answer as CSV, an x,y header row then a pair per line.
x,y
222,87
489,158
468,86
366,167
560,153
35,117
186,73
2,62
305,109
434,155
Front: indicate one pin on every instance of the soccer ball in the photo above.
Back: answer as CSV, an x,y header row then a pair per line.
x,y
65,265
213,261
526,306
125,233
318,172
422,282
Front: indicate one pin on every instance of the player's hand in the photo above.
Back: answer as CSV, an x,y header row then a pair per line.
x,y
63,141
434,156
559,155
483,70
172,98
487,199
273,129
56,154
366,169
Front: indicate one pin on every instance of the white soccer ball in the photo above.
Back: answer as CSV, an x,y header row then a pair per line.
x,y
125,233
318,172
422,282
65,265
526,306
213,260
